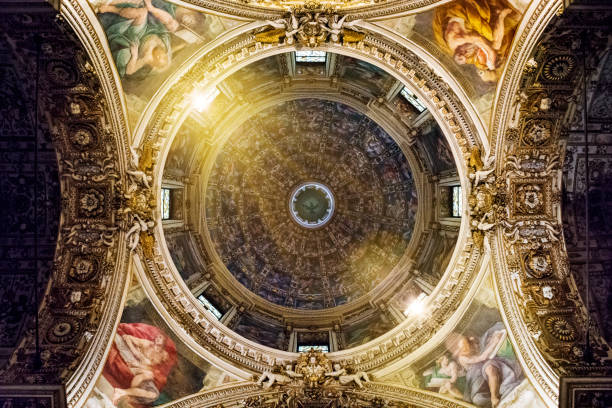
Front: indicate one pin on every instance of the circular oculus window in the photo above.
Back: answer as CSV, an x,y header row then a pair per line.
x,y
311,204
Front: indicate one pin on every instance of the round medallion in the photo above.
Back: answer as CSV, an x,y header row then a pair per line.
x,y
311,205
559,67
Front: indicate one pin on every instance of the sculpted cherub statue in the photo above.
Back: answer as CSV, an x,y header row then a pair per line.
x,y
268,378
342,375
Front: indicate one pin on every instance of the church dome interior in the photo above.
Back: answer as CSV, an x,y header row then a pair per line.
x,y
305,204
312,206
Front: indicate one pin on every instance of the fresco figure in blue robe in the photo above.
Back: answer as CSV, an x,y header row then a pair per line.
x,y
138,34
481,369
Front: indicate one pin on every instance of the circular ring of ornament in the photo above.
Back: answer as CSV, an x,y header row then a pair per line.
x,y
311,204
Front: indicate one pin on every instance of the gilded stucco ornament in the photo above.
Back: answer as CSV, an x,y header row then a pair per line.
x,y
310,29
138,200
314,377
312,370
538,294
483,199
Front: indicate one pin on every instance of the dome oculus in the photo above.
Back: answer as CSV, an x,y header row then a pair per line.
x,y
311,205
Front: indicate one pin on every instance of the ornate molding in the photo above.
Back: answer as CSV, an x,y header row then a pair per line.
x,y
373,394
171,291
273,9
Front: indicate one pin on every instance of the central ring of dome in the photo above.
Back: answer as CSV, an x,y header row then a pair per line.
x,y
311,205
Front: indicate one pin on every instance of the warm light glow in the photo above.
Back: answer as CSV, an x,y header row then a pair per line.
x,y
202,100
417,306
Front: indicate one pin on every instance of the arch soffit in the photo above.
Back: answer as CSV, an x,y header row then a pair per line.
x,y
507,125
81,378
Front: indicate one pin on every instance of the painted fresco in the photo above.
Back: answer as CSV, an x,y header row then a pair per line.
x,y
436,151
184,146
256,171
148,39
271,334
476,363
179,245
147,365
471,38
369,76
367,330
257,74
212,294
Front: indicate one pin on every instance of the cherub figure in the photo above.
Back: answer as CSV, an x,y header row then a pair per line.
x,y
451,369
268,379
335,26
345,378
480,170
138,226
290,25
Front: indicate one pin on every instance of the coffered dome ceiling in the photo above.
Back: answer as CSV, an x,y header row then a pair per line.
x,y
263,176
283,259
306,209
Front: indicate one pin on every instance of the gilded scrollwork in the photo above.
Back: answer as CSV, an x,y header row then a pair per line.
x,y
310,29
138,202
483,199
